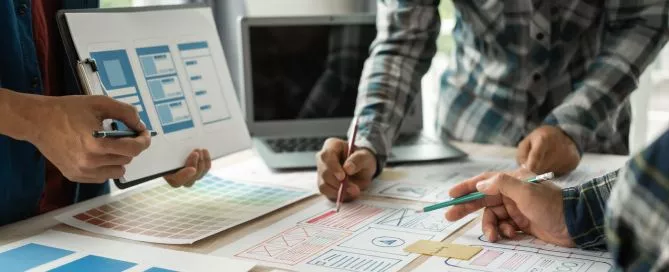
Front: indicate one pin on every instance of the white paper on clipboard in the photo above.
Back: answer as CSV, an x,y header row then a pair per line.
x,y
170,65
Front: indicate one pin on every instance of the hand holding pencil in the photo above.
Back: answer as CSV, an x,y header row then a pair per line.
x,y
511,205
334,166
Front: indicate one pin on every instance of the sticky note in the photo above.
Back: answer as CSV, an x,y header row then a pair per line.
x,y
441,249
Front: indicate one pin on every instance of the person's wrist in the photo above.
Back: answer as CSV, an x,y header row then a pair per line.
x,y
35,110
19,113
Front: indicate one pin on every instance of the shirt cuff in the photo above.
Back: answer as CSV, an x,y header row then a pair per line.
x,y
584,211
362,142
574,132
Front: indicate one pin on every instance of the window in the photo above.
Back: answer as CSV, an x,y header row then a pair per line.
x,y
430,83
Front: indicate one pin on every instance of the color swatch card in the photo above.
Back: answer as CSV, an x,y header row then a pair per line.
x,y
161,214
523,254
58,251
364,236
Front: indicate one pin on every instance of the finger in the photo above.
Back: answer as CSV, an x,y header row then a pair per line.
x,y
360,162
207,160
515,214
329,160
201,169
328,190
508,229
506,185
108,108
95,161
535,158
130,147
489,225
468,186
180,177
104,173
353,191
523,150
185,175
457,212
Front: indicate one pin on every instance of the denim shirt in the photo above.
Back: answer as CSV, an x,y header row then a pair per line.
x,y
22,167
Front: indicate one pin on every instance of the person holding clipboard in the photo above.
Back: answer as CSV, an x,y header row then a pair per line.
x,y
46,135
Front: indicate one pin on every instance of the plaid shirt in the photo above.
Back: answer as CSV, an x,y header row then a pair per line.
x,y
632,216
637,219
519,64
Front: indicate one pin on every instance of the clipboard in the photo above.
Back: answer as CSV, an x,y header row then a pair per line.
x,y
167,61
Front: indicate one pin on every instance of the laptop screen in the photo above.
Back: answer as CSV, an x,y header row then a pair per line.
x,y
307,71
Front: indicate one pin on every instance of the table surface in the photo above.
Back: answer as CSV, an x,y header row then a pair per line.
x,y
38,224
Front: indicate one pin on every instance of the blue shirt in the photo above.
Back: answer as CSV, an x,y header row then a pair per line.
x,y
22,167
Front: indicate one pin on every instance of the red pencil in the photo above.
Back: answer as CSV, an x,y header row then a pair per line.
x,y
351,149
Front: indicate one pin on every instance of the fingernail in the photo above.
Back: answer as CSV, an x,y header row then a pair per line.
x,y
481,186
349,167
340,176
487,235
523,166
142,126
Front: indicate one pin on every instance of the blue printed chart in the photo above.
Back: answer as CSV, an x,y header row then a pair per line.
x,y
204,82
119,81
165,88
63,252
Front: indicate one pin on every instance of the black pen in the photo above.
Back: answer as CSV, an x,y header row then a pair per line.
x,y
118,133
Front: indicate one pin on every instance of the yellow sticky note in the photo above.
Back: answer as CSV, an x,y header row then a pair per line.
x,y
424,247
458,251
441,249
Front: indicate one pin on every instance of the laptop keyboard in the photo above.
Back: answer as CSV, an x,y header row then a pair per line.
x,y
313,144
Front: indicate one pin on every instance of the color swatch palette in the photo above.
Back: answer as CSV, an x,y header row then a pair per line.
x,y
55,251
182,216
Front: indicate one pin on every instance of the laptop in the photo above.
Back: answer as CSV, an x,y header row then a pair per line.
x,y
299,85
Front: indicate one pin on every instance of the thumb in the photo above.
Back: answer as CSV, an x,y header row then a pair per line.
x,y
505,185
523,151
361,161
108,108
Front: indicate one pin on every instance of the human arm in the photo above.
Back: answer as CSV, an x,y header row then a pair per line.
x,y
399,57
570,217
637,218
61,128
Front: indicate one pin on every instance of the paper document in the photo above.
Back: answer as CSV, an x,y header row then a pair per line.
x,y
162,214
168,64
364,236
58,251
524,254
255,170
431,183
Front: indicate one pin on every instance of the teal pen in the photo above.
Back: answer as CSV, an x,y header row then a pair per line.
x,y
118,133
479,195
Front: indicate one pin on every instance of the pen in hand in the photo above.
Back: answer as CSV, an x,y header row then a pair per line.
x,y
119,133
351,149
479,195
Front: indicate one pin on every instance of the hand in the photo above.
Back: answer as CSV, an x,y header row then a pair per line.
x,y
548,149
197,165
359,169
513,205
64,135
